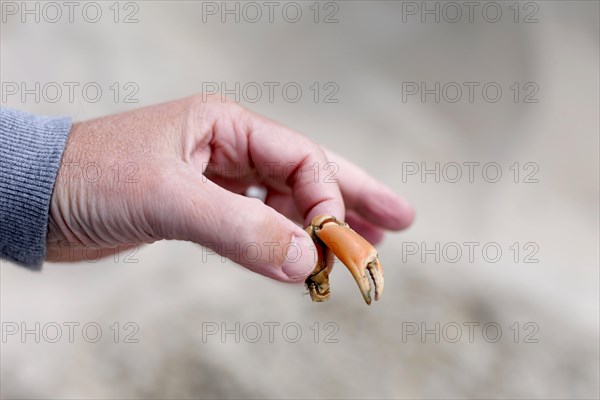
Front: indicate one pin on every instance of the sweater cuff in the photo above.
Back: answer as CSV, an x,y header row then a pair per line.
x,y
31,148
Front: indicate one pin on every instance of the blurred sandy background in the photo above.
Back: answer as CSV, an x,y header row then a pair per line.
x,y
368,54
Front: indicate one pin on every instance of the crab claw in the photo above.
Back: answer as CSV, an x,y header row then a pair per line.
x,y
351,249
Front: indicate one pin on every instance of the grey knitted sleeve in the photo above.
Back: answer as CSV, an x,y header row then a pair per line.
x,y
31,148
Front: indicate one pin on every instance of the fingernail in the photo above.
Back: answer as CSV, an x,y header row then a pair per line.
x,y
301,257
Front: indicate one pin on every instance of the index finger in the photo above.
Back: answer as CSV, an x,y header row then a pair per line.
x,y
284,159
370,198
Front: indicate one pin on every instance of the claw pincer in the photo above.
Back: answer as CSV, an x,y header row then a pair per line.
x,y
334,236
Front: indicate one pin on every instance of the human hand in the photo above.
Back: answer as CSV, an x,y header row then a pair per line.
x,y
178,170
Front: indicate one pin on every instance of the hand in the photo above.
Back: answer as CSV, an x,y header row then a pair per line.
x,y
176,171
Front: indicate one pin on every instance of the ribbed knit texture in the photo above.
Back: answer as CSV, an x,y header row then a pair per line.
x,y
31,148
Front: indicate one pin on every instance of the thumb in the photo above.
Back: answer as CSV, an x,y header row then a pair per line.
x,y
245,230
